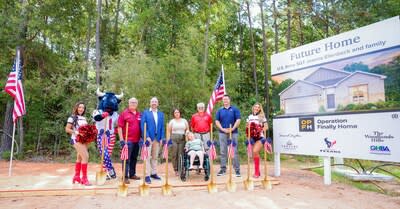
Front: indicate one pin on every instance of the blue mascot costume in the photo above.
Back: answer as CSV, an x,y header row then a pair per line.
x,y
106,117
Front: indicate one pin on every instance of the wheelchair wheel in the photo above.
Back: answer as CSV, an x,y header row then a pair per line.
x,y
182,168
206,168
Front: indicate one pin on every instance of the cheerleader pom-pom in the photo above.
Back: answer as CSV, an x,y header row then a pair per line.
x,y
87,134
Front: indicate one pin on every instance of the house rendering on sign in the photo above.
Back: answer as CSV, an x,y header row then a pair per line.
x,y
328,88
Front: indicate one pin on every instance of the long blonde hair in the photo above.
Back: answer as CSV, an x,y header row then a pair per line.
x,y
261,114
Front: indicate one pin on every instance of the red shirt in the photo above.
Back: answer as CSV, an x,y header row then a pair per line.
x,y
200,123
133,120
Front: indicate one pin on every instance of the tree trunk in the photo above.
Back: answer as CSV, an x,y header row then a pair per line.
x,y
115,36
289,29
275,15
265,56
21,134
253,49
85,72
7,129
98,54
240,40
205,59
301,34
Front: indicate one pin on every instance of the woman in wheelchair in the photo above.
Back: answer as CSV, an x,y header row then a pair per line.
x,y
194,147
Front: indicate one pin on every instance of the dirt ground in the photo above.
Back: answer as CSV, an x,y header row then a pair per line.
x,y
296,189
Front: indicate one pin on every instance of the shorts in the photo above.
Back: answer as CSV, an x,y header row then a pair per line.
x,y
72,141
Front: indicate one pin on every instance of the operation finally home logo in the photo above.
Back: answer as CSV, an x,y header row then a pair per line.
x,y
306,124
330,146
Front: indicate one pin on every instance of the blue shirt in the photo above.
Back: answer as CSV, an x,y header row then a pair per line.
x,y
227,116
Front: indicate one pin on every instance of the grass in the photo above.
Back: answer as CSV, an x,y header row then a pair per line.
x,y
339,178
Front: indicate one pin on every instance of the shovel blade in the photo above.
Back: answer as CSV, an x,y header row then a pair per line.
x,y
266,184
101,178
122,190
231,186
166,189
144,190
248,184
212,188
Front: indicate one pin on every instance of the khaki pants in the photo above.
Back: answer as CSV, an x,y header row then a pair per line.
x,y
151,162
204,137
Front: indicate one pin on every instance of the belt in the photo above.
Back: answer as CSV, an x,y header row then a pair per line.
x,y
202,133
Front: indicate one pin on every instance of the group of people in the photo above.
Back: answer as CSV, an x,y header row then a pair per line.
x,y
186,137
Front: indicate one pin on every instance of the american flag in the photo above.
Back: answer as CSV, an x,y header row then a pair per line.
x,y
218,92
124,152
165,151
231,151
144,153
14,87
267,147
212,153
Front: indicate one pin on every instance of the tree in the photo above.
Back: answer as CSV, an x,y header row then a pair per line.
x,y
253,50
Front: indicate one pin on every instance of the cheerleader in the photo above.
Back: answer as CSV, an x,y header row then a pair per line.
x,y
258,124
76,120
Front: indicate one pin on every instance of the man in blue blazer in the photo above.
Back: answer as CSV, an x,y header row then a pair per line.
x,y
154,120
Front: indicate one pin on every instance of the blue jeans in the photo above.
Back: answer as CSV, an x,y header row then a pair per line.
x,y
133,151
223,148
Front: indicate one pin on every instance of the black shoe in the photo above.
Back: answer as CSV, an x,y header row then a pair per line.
x,y
237,173
126,180
221,173
155,176
134,177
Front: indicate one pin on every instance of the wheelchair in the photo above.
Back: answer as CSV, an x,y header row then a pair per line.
x,y
184,164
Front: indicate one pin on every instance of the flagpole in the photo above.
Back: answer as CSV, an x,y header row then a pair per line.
x,y
223,77
12,151
17,65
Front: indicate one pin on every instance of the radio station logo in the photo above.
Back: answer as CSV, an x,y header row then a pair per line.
x,y
306,125
378,136
379,150
329,146
289,146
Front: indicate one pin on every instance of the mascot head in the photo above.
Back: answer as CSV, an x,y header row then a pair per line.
x,y
108,101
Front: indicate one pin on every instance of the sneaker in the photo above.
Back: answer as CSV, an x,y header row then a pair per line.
x,y
221,173
112,173
191,168
147,180
155,176
237,173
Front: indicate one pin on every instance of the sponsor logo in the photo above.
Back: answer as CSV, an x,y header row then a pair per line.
x,y
378,136
379,150
306,125
292,136
289,146
329,144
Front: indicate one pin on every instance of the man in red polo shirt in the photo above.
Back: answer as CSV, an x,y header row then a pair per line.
x,y
131,116
200,124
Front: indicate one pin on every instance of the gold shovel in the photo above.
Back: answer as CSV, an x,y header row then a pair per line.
x,y
123,188
248,183
266,182
212,186
166,188
230,185
101,176
144,189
